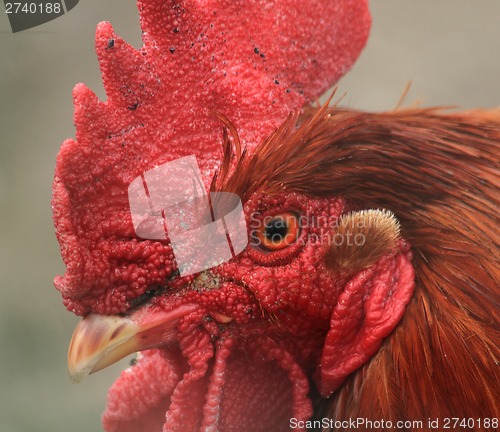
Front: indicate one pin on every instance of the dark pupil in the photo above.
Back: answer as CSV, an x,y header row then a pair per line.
x,y
276,230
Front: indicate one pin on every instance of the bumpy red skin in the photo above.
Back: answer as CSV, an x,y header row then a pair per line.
x,y
282,316
254,62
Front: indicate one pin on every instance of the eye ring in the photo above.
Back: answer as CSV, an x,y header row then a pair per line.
x,y
277,232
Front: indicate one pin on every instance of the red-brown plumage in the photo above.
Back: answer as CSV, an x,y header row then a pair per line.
x,y
439,173
305,329
442,360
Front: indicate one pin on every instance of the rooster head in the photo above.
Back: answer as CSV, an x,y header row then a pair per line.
x,y
318,281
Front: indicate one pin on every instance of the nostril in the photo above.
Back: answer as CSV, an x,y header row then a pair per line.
x,y
146,297
155,291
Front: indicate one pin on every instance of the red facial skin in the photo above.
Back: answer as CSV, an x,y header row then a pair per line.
x,y
281,304
256,62
161,107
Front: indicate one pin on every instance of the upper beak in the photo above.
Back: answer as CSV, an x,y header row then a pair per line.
x,y
101,340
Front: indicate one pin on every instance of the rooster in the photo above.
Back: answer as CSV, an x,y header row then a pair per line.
x,y
368,290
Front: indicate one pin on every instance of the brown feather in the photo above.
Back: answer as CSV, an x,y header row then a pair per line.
x,y
439,174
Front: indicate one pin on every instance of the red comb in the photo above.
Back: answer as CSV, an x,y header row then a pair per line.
x,y
253,61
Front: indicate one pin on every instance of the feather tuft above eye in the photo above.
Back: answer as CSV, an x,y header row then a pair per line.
x,y
361,238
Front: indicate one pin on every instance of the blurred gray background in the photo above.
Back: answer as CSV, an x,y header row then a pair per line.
x,y
449,49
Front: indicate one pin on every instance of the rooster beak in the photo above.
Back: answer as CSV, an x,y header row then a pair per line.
x,y
101,340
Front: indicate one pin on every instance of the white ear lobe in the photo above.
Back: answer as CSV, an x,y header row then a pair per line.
x,y
361,238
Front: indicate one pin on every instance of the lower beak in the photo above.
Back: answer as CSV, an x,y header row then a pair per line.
x,y
101,340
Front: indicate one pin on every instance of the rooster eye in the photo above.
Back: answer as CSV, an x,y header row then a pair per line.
x,y
277,232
